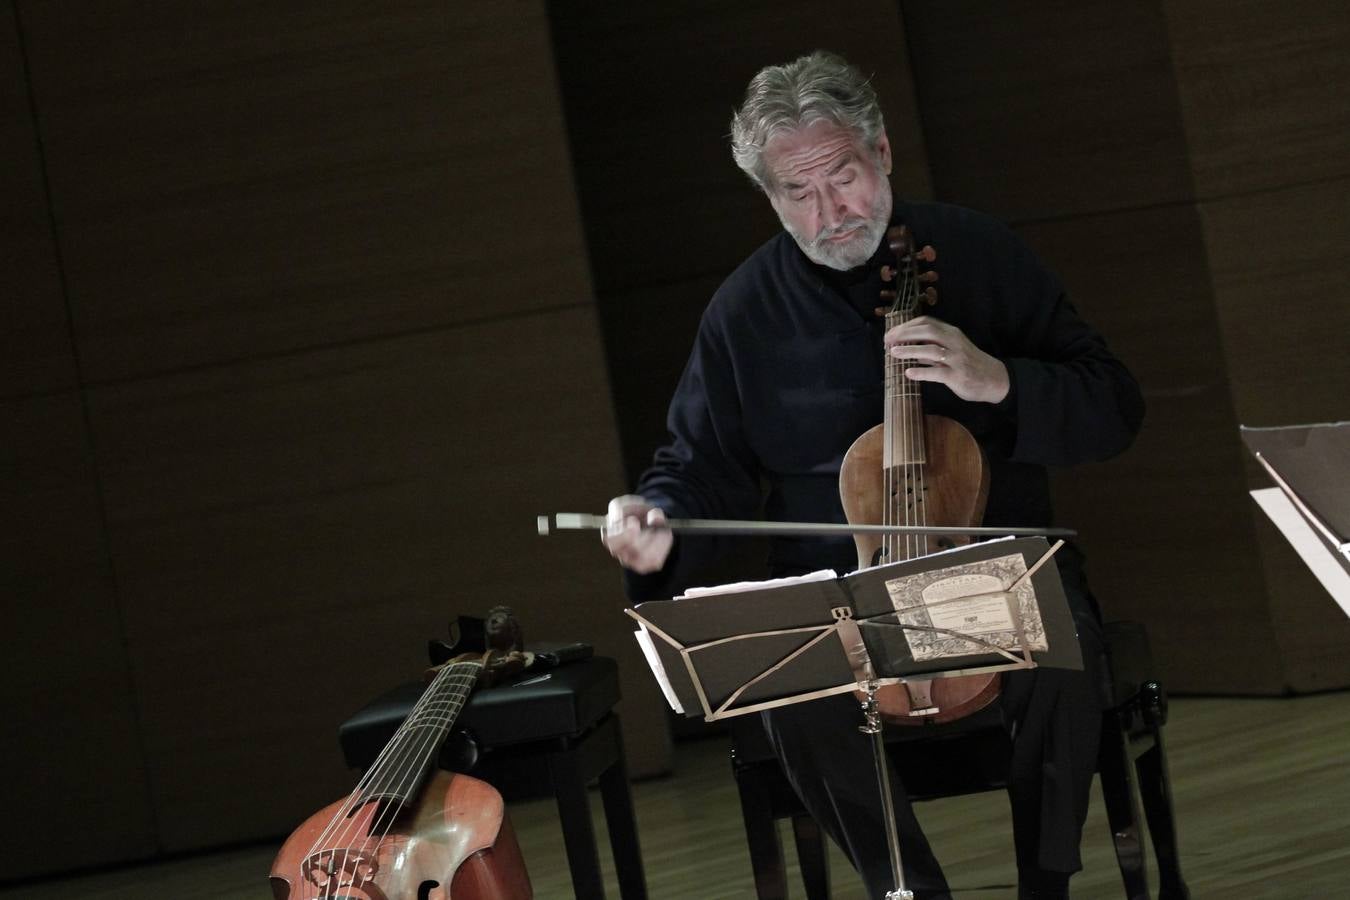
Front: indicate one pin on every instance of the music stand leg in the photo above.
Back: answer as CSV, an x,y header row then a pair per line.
x,y
872,726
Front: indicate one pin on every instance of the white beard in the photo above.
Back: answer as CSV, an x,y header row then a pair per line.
x,y
851,253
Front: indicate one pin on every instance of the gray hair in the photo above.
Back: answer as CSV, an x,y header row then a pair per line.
x,y
808,89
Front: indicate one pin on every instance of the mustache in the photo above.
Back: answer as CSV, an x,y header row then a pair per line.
x,y
843,227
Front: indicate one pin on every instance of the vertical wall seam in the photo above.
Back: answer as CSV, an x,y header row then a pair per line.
x,y
82,389
1197,205
916,96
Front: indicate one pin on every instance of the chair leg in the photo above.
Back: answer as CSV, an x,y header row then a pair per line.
x,y
623,835
1156,789
761,832
812,856
1122,810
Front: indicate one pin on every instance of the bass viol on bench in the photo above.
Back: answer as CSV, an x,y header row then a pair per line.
x,y
407,831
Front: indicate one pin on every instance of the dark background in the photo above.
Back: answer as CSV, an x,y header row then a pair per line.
x,y
311,307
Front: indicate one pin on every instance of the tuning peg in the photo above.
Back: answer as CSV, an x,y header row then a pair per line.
x,y
929,296
927,254
898,238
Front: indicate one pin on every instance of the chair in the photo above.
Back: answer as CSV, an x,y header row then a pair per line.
x,y
973,758
529,737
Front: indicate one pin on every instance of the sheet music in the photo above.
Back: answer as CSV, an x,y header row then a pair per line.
x,y
736,587
971,598
1303,509
1320,558
644,639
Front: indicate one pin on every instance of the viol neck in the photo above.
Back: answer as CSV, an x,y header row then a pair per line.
x,y
410,754
903,417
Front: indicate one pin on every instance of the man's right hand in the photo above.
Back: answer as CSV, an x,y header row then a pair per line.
x,y
635,536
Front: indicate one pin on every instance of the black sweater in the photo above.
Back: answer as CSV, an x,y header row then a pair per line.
x,y
787,370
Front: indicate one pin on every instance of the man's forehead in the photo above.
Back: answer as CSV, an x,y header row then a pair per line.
x,y
799,151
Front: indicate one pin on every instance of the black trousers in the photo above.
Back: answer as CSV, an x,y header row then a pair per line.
x,y
1053,717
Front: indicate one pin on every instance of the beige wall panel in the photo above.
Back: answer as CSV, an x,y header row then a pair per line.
x,y
1034,111
1265,91
1285,318
649,333
35,349
1280,269
290,533
649,91
1166,526
76,777
234,181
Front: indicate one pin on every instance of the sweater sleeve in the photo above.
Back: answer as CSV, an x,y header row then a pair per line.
x,y
708,469
1071,399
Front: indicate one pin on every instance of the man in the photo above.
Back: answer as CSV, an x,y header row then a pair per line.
x,y
786,371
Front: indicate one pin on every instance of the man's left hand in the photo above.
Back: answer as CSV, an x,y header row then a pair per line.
x,y
948,357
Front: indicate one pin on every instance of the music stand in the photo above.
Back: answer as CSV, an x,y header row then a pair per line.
x,y
1311,501
778,643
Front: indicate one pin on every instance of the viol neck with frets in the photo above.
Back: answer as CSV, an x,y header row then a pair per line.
x,y
411,753
903,447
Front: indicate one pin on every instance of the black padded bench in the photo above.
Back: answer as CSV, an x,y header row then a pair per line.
x,y
533,736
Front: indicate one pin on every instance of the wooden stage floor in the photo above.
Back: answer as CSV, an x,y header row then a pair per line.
x,y
1262,792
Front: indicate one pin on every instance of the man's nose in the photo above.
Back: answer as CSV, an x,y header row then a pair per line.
x,y
833,208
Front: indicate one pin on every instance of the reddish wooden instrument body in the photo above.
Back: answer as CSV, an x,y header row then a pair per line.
x,y
455,842
406,834
955,486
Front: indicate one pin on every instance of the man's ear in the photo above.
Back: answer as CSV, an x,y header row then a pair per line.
x,y
883,151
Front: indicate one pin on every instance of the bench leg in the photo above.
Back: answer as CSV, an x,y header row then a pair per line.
x,y
1122,810
574,810
623,835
